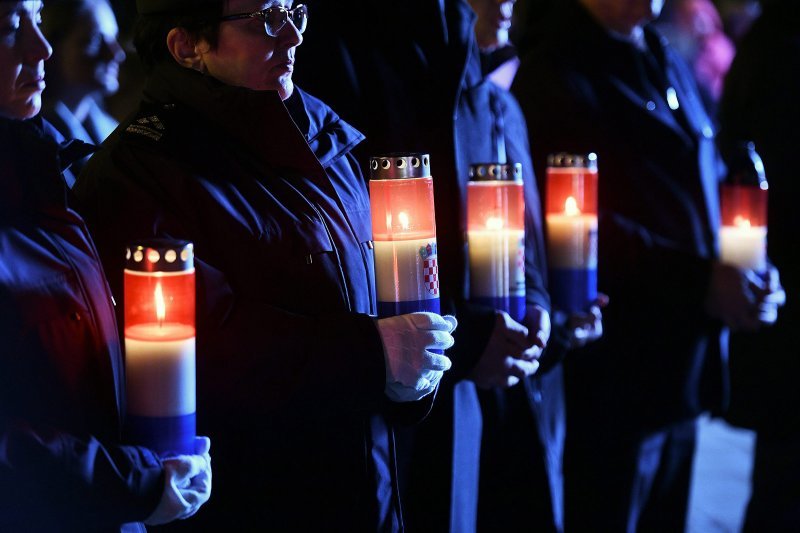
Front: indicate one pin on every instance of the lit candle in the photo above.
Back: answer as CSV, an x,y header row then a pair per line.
x,y
743,235
571,221
404,234
496,237
160,346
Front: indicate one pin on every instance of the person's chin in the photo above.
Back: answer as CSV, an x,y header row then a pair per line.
x,y
22,110
286,88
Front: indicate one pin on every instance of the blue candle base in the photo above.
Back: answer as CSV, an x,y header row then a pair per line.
x,y
572,289
387,309
169,435
513,305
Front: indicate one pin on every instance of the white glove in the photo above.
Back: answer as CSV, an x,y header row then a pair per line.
x,y
187,485
412,371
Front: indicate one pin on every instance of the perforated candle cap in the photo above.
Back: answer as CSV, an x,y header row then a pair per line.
x,y
399,166
495,172
160,255
567,160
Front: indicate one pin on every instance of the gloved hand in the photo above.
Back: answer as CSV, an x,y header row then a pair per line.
x,y
187,485
412,371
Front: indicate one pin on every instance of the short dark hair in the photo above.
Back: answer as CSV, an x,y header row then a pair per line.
x,y
150,32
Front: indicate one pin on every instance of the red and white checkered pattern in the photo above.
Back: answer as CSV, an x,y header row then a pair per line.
x,y
430,271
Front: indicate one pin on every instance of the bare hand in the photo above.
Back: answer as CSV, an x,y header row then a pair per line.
x,y
742,300
509,356
584,326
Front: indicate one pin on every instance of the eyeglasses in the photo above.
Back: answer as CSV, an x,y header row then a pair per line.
x,y
275,18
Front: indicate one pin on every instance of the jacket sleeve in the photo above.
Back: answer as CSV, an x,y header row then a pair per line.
x,y
77,479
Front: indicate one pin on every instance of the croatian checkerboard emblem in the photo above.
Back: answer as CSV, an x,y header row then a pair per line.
x,y
430,272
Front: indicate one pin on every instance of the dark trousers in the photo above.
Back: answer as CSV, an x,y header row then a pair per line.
x,y
624,482
775,500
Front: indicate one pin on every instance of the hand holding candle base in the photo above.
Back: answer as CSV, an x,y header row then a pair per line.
x,y
413,371
510,355
742,299
187,485
584,327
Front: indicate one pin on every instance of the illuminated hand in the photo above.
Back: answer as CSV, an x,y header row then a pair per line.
x,y
187,485
412,371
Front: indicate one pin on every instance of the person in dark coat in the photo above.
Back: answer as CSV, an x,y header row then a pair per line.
x,y
409,75
602,81
84,69
760,104
298,383
62,464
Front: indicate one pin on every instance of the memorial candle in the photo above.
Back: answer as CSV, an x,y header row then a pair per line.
x,y
404,234
160,346
496,237
743,206
571,221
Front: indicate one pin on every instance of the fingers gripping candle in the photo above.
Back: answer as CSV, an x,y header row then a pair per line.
x,y
404,233
571,220
496,237
160,346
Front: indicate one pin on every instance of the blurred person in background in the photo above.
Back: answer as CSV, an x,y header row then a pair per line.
x,y
761,103
84,68
62,388
694,29
602,79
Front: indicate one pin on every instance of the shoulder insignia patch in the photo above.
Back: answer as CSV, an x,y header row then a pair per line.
x,y
147,126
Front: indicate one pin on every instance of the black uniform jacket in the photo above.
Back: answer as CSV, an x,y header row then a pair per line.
x,y
61,380
660,359
290,363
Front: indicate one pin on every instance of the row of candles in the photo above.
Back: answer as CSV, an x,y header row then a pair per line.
x,y
160,286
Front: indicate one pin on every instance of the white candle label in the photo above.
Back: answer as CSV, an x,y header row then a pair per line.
x,y
407,276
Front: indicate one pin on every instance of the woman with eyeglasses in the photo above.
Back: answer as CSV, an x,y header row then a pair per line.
x,y
298,384
62,466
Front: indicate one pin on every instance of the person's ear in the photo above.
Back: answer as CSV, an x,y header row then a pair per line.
x,y
185,50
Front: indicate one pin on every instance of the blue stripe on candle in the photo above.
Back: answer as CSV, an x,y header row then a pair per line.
x,y
573,289
513,305
386,309
168,435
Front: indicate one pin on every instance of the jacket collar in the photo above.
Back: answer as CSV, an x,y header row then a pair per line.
x,y
257,120
33,175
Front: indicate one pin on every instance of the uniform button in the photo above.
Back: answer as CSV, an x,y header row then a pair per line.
x,y
651,105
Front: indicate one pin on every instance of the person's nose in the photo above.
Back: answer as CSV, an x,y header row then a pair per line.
x,y
36,46
290,36
112,50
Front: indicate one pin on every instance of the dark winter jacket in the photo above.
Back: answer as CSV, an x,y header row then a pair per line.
x,y
61,374
290,363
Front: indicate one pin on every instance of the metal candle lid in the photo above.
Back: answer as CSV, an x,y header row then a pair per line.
x,y
495,172
399,166
159,255
565,160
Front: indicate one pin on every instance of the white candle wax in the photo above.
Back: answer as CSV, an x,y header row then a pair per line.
x,y
399,269
744,246
572,241
497,262
160,374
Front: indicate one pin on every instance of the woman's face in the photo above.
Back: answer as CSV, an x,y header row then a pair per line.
x,y
89,56
245,56
23,50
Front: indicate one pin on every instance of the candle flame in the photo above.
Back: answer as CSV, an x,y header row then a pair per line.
x,y
494,223
741,222
571,207
161,307
402,217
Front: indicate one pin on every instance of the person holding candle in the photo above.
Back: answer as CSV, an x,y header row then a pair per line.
x,y
62,465
759,103
601,80
298,383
